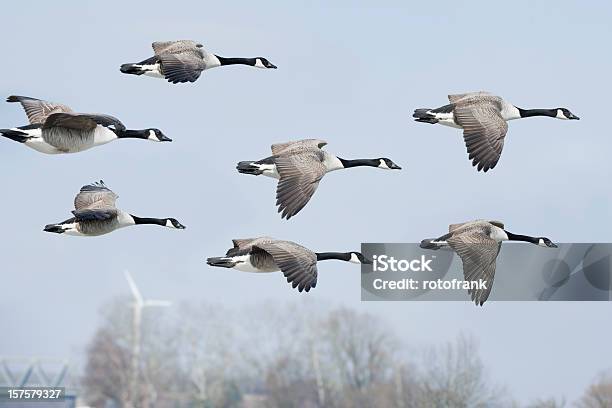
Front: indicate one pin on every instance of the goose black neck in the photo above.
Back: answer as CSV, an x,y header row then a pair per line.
x,y
524,238
526,113
342,256
234,61
132,134
145,221
346,163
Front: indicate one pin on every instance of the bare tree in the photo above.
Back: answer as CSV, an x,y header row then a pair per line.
x,y
108,367
360,353
454,376
599,394
547,403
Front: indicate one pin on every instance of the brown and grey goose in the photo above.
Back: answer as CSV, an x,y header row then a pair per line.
x,y
300,165
264,254
478,243
96,214
483,117
184,60
55,129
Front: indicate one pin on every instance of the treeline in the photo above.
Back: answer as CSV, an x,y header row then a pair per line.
x,y
285,355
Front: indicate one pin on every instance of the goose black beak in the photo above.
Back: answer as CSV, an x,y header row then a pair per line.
x,y
395,167
553,245
367,261
163,138
272,66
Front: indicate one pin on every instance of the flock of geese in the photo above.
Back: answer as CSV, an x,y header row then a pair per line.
x,y
299,166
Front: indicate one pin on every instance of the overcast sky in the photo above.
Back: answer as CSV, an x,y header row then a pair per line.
x,y
348,74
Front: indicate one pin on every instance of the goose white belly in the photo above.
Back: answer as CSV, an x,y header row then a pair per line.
x,y
35,141
103,135
269,170
71,229
446,119
243,264
153,70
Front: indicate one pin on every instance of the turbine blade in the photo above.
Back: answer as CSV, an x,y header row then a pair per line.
x,y
133,288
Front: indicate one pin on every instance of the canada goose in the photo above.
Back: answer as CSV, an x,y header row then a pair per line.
x,y
483,117
184,61
478,243
96,214
54,128
300,165
298,264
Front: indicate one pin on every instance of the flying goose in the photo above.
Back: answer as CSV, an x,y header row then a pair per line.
x,y
483,118
184,61
300,165
96,214
264,254
478,243
54,128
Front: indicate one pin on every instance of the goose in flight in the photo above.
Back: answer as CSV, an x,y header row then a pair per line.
x,y
300,165
483,118
95,214
184,60
298,264
478,243
55,129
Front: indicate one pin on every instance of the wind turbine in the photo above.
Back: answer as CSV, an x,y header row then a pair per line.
x,y
138,305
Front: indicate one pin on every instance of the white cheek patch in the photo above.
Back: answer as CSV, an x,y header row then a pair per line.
x,y
354,259
560,114
169,224
383,165
542,243
153,136
259,64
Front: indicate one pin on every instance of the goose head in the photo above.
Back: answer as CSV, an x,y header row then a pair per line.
x,y
173,223
261,62
156,135
545,242
387,164
358,258
565,114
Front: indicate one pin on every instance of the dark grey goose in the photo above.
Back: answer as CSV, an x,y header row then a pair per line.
x,y
483,118
300,165
95,214
184,60
55,129
478,243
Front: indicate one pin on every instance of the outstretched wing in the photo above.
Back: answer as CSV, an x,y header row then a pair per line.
x,y
174,47
38,110
298,264
297,145
478,254
184,67
95,196
82,121
484,131
299,178
457,97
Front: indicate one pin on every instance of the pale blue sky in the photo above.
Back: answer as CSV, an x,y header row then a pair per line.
x,y
350,74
